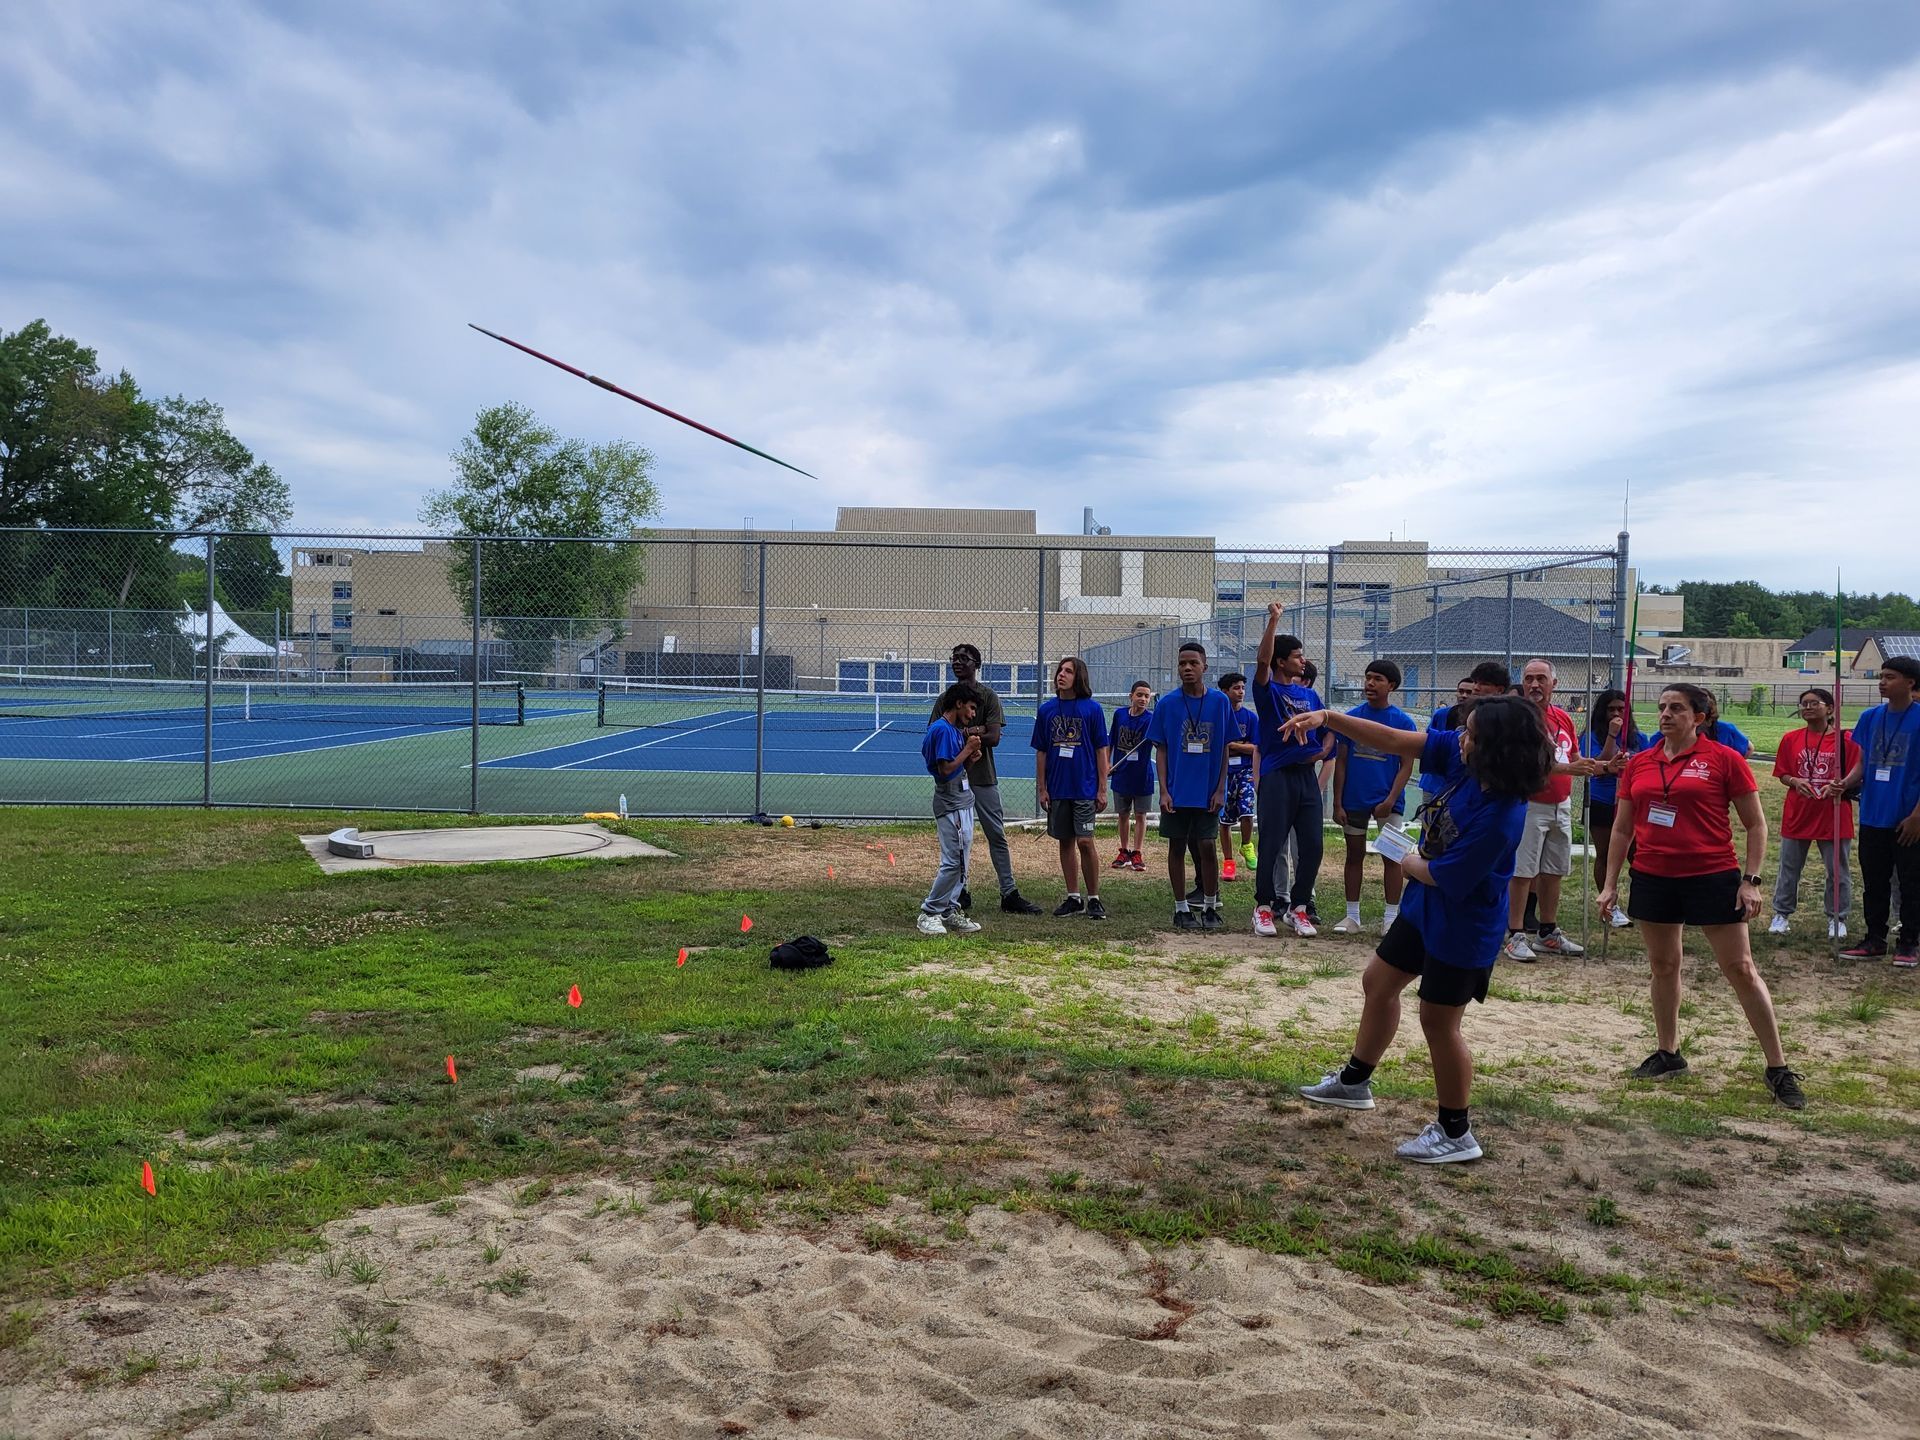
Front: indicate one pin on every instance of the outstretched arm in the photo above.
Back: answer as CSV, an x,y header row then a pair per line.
x,y
1382,737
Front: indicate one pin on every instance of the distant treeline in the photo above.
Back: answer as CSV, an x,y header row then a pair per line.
x,y
1741,609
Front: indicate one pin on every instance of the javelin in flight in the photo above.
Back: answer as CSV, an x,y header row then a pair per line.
x,y
640,400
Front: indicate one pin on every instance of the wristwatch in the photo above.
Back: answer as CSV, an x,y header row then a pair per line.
x,y
1753,880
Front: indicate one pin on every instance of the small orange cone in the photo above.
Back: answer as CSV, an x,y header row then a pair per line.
x,y
146,1177
746,923
452,1074
890,859
573,997
683,956
829,872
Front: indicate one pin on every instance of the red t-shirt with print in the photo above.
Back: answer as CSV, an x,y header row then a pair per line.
x,y
1808,756
1696,790
1566,745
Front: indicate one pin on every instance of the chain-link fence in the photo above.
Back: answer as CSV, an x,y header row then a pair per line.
x,y
742,675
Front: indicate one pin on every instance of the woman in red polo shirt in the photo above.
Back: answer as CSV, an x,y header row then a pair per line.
x,y
1672,811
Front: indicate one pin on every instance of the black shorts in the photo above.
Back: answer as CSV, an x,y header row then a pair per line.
x,y
1192,826
1440,983
1070,819
1686,900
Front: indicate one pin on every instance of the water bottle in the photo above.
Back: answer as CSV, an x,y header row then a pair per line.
x,y
623,807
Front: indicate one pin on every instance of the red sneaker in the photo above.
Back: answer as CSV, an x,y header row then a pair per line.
x,y
1229,872
1122,861
1139,862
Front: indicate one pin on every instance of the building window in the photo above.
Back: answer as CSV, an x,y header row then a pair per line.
x,y
343,617
342,592
1376,630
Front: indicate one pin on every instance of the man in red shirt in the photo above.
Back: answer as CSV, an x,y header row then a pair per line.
x,y
1545,857
1807,760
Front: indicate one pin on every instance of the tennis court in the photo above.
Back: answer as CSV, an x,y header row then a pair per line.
x,y
543,751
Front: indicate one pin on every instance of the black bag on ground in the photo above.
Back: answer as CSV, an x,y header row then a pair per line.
x,y
803,952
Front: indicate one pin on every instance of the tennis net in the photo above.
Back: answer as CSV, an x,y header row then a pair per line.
x,y
55,696
645,705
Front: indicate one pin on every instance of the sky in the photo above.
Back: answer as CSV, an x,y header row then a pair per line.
x,y
1279,273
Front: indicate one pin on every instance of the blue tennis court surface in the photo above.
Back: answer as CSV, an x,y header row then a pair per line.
x,y
724,741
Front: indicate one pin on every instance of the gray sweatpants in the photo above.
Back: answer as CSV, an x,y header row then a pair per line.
x,y
956,841
1793,859
993,820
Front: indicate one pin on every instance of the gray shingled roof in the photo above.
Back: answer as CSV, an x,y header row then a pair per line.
x,y
1821,641
1477,626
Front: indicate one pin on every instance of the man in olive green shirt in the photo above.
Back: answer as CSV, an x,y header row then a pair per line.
x,y
984,780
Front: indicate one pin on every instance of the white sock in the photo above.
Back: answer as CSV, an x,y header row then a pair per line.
x,y
1393,914
1180,907
1210,902
1073,894
1353,911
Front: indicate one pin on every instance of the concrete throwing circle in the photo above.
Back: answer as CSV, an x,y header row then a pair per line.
x,y
487,842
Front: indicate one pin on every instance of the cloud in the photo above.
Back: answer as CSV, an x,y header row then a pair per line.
x,y
1279,274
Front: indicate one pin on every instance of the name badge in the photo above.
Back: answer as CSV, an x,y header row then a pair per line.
x,y
1194,747
1065,752
1884,774
1236,760
1662,815
963,780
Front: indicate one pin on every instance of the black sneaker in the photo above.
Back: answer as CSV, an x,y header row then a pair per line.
x,y
1659,1065
1014,903
1185,920
1072,905
1906,957
1868,949
1194,897
1095,910
1211,920
1785,1086
965,901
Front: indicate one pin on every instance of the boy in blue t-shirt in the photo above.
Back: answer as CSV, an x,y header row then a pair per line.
x,y
947,751
1289,789
1131,773
1370,784
1192,729
1070,780
1887,771
1243,760
1454,921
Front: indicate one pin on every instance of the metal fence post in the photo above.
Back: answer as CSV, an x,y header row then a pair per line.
x,y
760,689
1040,631
1435,633
473,694
1622,642
1326,656
1509,624
206,708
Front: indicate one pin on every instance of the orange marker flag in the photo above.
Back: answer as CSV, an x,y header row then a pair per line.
x,y
890,859
573,997
829,872
452,1074
146,1177
746,923
683,956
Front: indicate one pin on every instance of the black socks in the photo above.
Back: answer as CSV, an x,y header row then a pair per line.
x,y
1454,1122
1356,1071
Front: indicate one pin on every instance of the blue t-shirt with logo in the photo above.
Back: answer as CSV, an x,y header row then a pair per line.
x,y
1068,732
1605,789
1195,730
1371,772
1246,727
1430,783
1468,839
1132,764
944,742
1275,704
1889,743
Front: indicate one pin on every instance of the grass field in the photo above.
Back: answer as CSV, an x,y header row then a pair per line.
x,y
186,988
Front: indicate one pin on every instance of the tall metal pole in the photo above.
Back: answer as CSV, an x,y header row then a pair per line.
x,y
1326,657
1435,634
760,688
206,707
1040,631
1509,623
1622,642
1834,866
473,694
1586,800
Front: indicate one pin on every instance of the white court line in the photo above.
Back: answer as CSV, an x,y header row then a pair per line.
x,y
625,749
875,736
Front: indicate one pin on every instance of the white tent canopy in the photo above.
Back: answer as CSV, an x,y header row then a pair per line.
x,y
232,640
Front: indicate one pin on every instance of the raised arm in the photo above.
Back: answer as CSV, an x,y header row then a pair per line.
x,y
1263,658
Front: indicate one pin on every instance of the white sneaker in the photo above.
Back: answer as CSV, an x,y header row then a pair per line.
x,y
1263,921
1777,925
1332,1090
1347,925
929,924
1836,929
1301,923
1517,948
1558,942
960,923
1618,918
1433,1146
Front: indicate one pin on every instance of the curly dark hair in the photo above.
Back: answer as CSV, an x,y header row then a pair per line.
x,y
1512,753
958,693
1597,719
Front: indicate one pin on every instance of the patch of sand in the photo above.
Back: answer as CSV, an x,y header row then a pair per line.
x,y
633,1323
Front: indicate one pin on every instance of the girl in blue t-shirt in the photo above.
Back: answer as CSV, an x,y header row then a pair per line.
x,y
1453,918
1070,781
1610,733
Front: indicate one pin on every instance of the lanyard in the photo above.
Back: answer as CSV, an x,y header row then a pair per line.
x,y
1883,743
1679,765
1810,758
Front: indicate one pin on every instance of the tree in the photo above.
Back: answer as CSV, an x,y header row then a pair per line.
x,y
247,574
1741,627
517,477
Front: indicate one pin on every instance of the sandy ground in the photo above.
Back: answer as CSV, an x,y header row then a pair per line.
x,y
639,1324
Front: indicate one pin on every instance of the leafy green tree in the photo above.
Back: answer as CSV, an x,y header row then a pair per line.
x,y
1741,626
247,574
515,476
